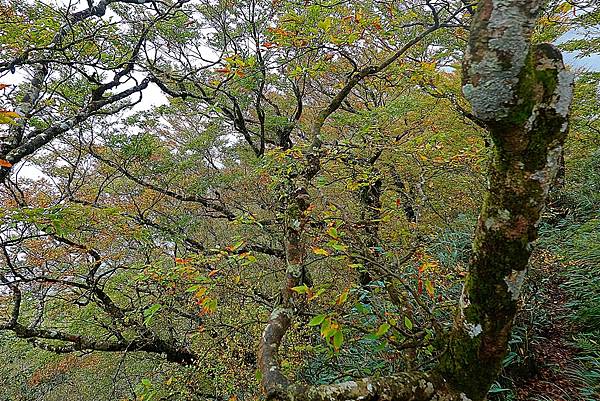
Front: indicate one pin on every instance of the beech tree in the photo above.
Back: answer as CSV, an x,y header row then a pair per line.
x,y
522,93
268,198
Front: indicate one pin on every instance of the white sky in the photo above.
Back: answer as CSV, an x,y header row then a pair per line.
x,y
153,96
590,63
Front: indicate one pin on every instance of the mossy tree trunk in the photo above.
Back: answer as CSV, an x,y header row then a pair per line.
x,y
370,201
522,93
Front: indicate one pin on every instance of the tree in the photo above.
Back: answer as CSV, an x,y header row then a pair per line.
x,y
196,214
523,94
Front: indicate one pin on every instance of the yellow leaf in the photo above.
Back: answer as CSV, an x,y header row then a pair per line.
x,y
9,114
320,251
342,298
429,288
7,117
564,7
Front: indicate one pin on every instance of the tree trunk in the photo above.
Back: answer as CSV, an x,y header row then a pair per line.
x,y
523,94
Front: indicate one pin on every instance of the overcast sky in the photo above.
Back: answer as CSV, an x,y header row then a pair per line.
x,y
591,63
153,96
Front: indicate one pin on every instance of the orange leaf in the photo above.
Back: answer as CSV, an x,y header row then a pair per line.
x,y
199,295
223,70
11,114
342,298
213,273
5,163
3,86
430,289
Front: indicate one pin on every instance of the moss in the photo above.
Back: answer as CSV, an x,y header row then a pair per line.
x,y
525,93
501,249
522,93
456,366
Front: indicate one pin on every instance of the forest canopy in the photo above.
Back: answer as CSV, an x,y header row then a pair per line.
x,y
298,200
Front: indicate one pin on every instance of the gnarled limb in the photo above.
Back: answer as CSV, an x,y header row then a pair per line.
x,y
414,386
72,342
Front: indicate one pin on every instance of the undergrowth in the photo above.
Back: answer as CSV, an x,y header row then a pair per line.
x,y
578,244
570,231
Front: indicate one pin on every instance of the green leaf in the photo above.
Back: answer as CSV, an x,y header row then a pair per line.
x,y
337,246
258,375
325,327
338,339
333,232
152,310
317,320
193,288
361,308
382,329
408,323
321,181
302,289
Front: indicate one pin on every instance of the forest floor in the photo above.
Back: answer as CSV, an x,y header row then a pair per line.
x,y
552,350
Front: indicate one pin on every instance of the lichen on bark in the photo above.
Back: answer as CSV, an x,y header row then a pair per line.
x,y
528,120
522,94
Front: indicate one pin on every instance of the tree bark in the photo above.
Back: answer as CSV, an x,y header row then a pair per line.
x,y
522,93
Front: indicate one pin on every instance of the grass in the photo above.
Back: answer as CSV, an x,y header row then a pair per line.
x,y
570,231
